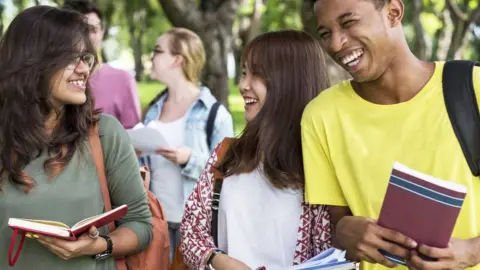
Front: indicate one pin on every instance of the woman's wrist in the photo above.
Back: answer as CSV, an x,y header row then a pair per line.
x,y
98,246
217,261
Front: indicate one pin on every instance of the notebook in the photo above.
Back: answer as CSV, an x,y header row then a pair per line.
x,y
421,207
60,230
331,258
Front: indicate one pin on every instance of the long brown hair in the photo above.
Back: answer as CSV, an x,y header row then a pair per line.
x,y
29,58
293,67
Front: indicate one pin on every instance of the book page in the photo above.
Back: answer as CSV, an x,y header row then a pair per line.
x,y
87,220
42,227
107,217
436,181
49,222
147,139
329,259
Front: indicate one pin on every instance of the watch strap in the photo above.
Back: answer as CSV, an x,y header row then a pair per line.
x,y
210,259
107,252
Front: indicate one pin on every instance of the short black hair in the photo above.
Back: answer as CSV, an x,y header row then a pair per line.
x,y
378,3
84,7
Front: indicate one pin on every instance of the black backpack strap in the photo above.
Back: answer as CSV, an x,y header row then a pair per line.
x,y
462,108
211,122
217,189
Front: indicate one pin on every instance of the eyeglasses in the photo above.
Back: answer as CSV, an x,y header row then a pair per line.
x,y
87,59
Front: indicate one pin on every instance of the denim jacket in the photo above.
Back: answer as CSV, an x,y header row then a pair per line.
x,y
195,134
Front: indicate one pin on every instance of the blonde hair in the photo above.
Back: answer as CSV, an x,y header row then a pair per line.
x,y
189,45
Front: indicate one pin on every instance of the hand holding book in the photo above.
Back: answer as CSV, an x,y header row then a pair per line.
x,y
362,238
60,238
83,246
460,254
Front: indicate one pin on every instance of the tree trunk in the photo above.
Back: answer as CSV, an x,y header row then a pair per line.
x,y
136,44
212,21
2,8
420,44
107,23
462,22
249,28
336,73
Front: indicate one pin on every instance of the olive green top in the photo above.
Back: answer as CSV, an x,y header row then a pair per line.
x,y
74,195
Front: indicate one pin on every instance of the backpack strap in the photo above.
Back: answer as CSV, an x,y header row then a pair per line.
x,y
462,108
211,122
217,185
97,153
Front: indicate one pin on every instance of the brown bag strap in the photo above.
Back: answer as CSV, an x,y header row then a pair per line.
x,y
217,185
97,153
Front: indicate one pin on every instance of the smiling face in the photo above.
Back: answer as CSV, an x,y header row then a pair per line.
x,y
68,85
358,36
254,92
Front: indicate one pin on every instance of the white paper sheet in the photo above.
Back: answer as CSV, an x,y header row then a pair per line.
x,y
146,138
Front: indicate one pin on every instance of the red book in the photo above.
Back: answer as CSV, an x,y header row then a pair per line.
x,y
57,229
421,207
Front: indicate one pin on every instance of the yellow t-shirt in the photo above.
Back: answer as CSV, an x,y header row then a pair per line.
x,y
350,146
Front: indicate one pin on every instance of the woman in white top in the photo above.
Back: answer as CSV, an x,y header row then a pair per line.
x,y
262,217
181,114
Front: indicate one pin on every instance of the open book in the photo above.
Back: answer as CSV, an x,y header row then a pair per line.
x,y
331,258
421,207
60,230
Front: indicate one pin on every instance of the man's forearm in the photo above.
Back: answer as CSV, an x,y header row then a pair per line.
x,y
336,214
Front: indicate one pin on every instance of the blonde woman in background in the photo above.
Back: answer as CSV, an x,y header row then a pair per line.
x,y
181,113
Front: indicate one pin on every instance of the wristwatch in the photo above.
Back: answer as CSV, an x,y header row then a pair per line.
x,y
107,253
210,259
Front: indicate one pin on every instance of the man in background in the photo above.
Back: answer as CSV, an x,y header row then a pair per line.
x,y
114,90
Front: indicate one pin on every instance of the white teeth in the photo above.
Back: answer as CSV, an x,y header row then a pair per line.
x,y
78,82
250,101
352,57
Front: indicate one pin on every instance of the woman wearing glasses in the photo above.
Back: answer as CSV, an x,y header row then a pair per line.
x,y
181,114
47,170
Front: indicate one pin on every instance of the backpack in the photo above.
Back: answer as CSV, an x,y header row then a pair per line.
x,y
221,150
462,109
157,255
212,115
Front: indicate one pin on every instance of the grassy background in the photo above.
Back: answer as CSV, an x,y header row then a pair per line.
x,y
148,90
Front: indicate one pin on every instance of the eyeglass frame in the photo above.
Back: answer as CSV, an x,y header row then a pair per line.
x,y
76,61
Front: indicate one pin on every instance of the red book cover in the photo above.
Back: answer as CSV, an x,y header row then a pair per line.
x,y
421,207
58,229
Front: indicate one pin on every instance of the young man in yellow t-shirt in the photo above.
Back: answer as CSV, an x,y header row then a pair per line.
x,y
392,110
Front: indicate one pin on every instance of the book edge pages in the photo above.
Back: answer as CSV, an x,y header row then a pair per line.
x,y
39,228
428,178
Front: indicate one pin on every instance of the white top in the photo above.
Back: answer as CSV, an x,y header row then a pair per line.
x,y
258,223
166,181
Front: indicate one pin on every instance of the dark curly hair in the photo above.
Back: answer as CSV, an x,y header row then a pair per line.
x,y
39,42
